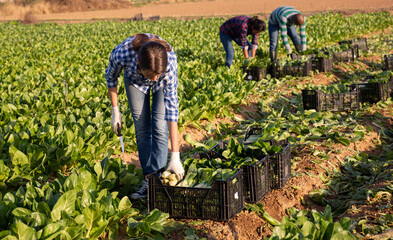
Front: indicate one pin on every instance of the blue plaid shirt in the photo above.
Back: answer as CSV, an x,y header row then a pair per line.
x,y
124,57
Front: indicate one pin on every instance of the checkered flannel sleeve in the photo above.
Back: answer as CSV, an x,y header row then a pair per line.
x,y
170,90
243,35
113,70
254,41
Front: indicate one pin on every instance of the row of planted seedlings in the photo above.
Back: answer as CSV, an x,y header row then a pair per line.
x,y
222,175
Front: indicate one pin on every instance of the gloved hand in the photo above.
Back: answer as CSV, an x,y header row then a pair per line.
x,y
176,166
116,120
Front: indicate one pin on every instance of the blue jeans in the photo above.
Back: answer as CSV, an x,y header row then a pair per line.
x,y
226,40
151,129
273,35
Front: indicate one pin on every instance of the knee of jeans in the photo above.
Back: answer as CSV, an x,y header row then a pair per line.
x,y
273,47
142,127
230,55
160,128
229,58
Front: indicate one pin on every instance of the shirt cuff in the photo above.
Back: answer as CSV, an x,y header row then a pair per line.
x,y
111,83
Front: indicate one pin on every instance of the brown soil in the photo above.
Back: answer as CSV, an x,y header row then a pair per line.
x,y
177,8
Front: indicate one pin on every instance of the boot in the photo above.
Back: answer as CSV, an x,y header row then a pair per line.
x,y
273,59
273,56
298,48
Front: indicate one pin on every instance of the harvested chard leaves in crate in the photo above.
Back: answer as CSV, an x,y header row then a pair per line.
x,y
255,68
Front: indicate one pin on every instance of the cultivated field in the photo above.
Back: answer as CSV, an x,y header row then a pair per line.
x,y
63,175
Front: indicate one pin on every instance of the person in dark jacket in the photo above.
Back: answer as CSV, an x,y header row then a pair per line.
x,y
237,29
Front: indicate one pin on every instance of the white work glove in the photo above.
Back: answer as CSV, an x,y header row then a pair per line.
x,y
116,120
176,166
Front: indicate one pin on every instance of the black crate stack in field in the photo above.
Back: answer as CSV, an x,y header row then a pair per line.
x,y
360,43
365,92
373,92
320,101
322,64
255,176
224,199
221,202
256,180
279,163
346,56
354,45
254,73
280,168
301,70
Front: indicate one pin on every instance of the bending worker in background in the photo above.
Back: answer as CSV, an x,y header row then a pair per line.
x,y
283,19
236,29
150,65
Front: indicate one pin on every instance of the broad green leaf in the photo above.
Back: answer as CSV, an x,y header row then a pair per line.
x,y
87,198
308,229
39,220
51,231
22,231
91,216
18,157
65,203
99,230
153,216
98,169
124,204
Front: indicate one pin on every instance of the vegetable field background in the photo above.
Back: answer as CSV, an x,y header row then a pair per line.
x,y
62,175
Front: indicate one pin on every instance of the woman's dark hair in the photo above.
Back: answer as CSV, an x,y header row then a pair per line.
x,y
152,54
257,24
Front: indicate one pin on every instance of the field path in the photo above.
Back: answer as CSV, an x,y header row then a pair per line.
x,y
216,8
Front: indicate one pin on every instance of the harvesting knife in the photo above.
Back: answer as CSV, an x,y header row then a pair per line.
x,y
118,133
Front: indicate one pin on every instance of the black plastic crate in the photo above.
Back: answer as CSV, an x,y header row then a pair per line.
x,y
346,56
279,163
253,131
256,180
376,91
322,64
254,73
388,62
255,177
361,43
280,168
296,71
221,202
316,99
